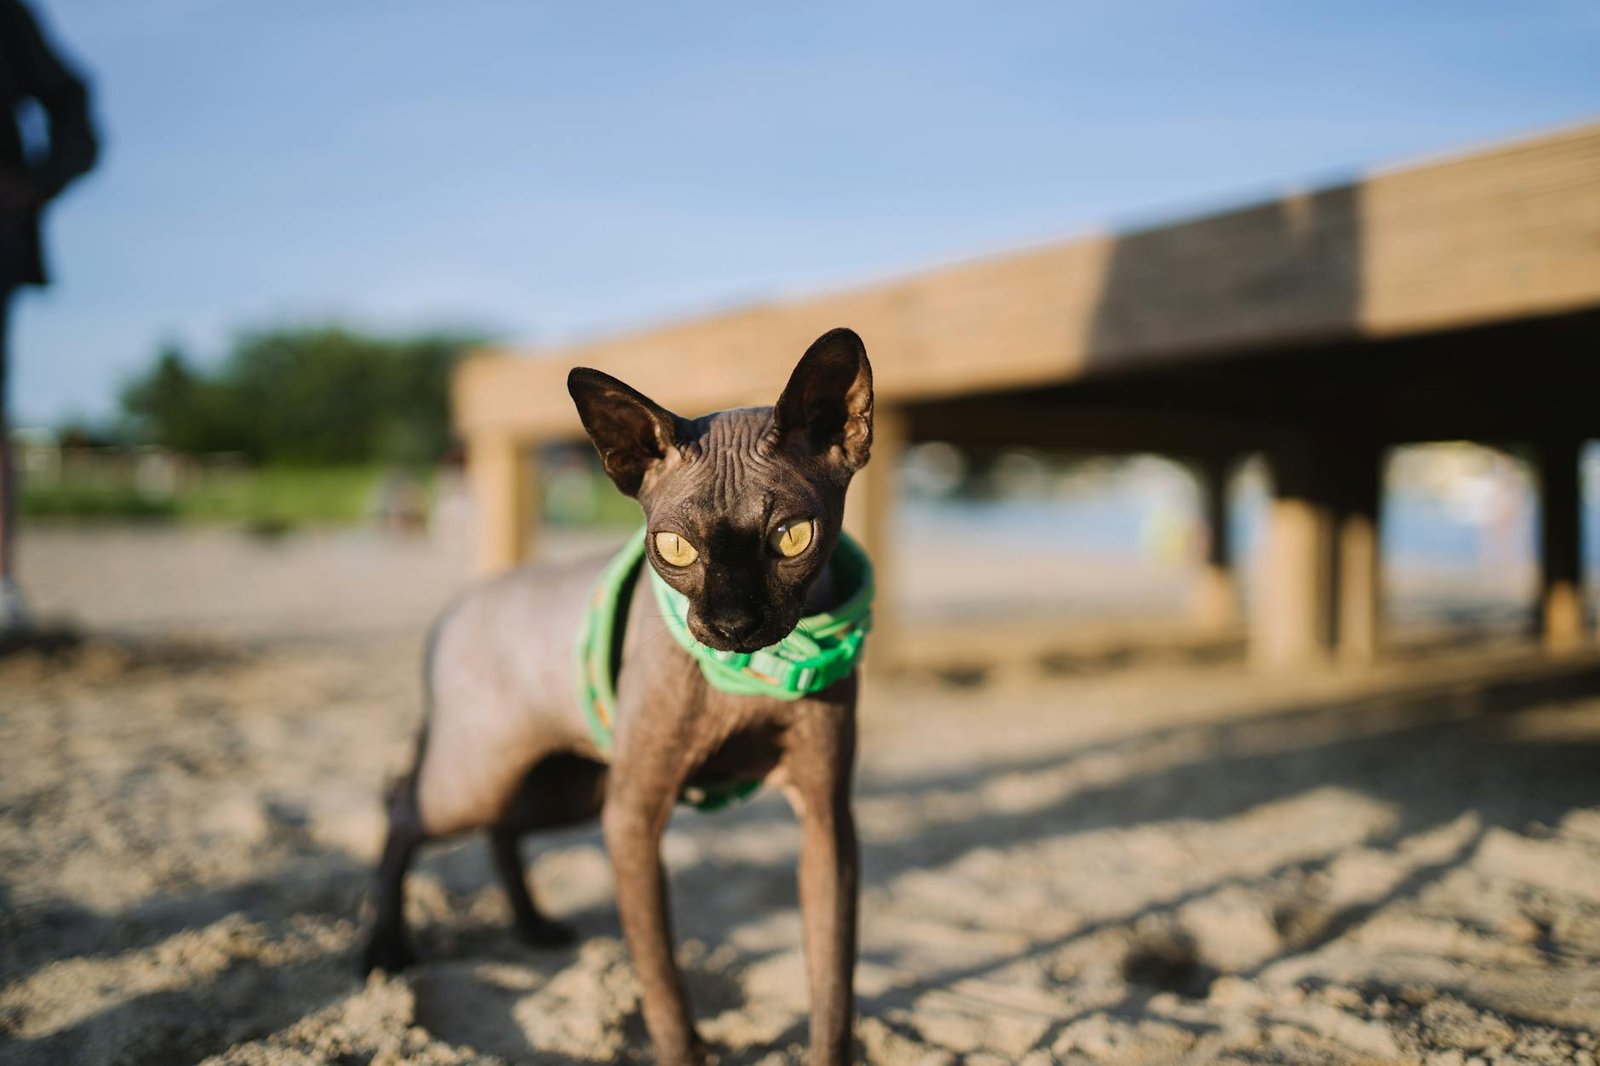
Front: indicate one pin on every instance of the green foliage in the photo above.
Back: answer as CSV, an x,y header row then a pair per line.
x,y
303,396
92,502
262,498
283,496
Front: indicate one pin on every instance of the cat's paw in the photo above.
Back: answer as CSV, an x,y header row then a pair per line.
x,y
390,954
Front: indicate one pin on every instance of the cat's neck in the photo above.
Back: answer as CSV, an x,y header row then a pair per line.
x,y
825,592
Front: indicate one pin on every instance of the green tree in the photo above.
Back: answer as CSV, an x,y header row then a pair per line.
x,y
304,396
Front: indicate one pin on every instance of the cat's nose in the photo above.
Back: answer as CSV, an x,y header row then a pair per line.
x,y
734,628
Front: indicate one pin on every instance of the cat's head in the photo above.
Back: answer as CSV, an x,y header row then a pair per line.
x,y
742,507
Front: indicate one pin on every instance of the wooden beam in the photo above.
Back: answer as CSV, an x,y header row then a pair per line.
x,y
1216,597
1498,235
1562,616
1291,624
1293,614
1358,602
870,513
1010,422
500,479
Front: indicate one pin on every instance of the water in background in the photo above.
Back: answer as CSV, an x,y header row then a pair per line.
x,y
1459,528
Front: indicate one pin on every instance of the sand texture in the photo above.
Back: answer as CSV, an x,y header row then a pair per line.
x,y
1174,861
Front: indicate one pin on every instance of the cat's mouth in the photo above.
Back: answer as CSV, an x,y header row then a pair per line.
x,y
746,648
745,643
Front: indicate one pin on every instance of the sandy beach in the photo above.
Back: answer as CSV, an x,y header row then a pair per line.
x,y
1166,860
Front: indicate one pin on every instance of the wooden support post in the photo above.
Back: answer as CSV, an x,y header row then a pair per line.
x,y
870,516
500,471
1216,599
1560,553
1358,598
1291,623
1320,592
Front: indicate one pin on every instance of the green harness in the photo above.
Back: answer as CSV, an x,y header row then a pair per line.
x,y
820,652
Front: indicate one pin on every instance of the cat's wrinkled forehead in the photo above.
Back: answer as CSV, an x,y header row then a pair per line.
x,y
726,469
729,436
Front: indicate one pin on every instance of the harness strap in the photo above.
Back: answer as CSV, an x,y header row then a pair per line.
x,y
821,651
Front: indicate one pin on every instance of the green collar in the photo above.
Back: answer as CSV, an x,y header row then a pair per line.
x,y
821,651
818,653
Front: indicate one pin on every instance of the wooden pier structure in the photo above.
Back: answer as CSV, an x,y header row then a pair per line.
x,y
1456,299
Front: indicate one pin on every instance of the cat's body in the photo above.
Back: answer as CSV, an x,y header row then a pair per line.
x,y
507,746
500,680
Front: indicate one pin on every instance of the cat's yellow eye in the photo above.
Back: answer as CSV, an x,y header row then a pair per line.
x,y
675,549
792,537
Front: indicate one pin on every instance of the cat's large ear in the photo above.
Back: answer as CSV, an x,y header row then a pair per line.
x,y
631,432
826,409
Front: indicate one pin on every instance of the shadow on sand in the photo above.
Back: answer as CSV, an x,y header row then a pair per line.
x,y
1434,754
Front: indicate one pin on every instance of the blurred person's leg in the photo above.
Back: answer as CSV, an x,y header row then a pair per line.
x,y
13,612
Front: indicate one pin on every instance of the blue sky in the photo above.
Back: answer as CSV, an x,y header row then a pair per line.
x,y
551,171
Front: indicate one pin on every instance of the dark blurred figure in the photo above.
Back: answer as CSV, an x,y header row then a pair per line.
x,y
31,175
